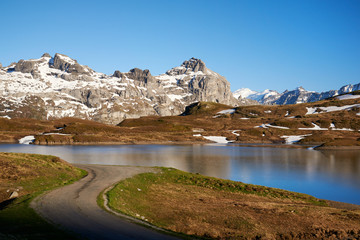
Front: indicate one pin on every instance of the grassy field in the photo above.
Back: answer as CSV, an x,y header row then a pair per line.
x,y
30,175
208,207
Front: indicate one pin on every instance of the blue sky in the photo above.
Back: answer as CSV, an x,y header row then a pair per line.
x,y
256,44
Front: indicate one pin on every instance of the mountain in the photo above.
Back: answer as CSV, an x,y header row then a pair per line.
x,y
298,95
55,87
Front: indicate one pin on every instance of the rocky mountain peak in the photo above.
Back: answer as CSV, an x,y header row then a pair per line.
x,y
300,89
27,66
118,74
69,65
194,65
140,75
46,55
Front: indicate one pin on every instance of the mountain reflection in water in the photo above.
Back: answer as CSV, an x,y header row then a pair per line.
x,y
330,174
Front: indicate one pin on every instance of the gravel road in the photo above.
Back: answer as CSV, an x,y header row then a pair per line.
x,y
74,207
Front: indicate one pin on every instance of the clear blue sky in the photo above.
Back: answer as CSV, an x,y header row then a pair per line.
x,y
256,44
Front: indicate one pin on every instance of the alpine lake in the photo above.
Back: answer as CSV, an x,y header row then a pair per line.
x,y
325,174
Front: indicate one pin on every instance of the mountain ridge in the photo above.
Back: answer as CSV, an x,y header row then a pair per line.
x,y
58,86
298,95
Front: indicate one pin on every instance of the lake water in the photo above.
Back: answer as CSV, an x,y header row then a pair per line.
x,y
333,175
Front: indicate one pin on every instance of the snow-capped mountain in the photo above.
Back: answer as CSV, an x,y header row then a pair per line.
x,y
253,95
299,95
54,87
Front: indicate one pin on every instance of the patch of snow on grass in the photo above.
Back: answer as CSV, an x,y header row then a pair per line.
x,y
268,111
261,126
316,127
331,108
197,135
217,139
347,96
332,127
311,110
280,127
56,134
27,140
7,117
234,132
227,111
244,118
294,138
269,125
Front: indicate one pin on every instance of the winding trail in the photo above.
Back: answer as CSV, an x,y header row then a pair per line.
x,y
74,207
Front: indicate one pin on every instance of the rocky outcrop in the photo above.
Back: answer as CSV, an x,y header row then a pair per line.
x,y
69,65
61,87
25,66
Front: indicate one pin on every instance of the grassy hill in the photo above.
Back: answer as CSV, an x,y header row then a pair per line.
x,y
331,122
22,178
224,209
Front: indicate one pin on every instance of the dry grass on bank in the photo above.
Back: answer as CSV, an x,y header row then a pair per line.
x,y
214,208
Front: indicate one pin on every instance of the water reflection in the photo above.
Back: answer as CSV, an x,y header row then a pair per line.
x,y
331,175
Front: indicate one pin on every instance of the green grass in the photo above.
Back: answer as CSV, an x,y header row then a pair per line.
x,y
33,174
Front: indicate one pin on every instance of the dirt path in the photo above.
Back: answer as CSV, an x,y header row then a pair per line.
x,y
74,207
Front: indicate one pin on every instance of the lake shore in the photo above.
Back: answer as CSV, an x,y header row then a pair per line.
x,y
240,144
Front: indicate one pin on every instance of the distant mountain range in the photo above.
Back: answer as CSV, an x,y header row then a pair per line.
x,y
299,95
58,86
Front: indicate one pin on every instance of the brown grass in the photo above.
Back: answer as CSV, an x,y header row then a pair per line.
x,y
179,129
211,208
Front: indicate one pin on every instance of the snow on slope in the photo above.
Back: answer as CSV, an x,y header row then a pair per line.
x,y
59,86
257,96
244,93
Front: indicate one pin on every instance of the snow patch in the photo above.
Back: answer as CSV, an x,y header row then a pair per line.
x,y
311,110
294,138
330,108
347,96
316,127
217,139
235,132
27,140
266,125
227,111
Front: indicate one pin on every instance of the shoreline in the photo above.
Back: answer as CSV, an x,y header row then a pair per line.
x,y
234,144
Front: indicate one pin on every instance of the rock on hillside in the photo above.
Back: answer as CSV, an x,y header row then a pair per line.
x,y
55,87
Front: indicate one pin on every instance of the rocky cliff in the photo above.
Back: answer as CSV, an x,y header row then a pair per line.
x,y
55,87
